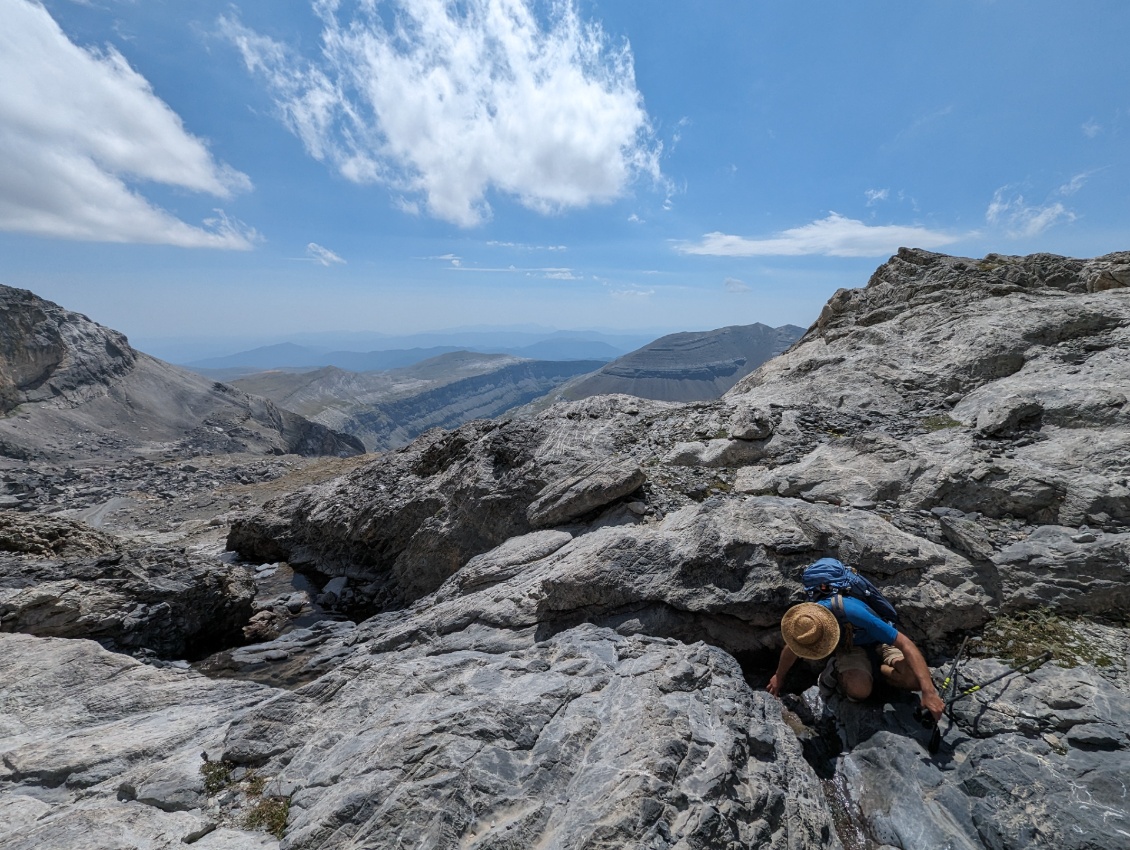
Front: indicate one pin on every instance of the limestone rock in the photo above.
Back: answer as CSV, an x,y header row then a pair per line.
x,y
102,751
998,781
402,524
585,491
751,424
586,737
156,599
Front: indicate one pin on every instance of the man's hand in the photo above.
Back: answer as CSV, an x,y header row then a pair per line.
x,y
933,703
774,686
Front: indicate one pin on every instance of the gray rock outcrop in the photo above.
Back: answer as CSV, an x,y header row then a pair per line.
x,y
585,739
61,579
99,750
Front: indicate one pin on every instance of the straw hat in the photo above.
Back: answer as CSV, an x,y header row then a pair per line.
x,y
810,630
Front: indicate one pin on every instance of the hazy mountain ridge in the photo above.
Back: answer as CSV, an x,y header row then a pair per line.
x,y
387,409
289,355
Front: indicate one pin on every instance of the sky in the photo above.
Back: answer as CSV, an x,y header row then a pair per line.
x,y
247,169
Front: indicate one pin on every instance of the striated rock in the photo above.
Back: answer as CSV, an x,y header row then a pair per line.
x,y
1035,761
717,572
588,738
578,494
1067,571
102,751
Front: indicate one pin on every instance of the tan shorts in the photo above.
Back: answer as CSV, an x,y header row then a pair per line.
x,y
857,658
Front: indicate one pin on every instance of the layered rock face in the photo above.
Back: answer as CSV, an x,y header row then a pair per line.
x,y
559,604
687,366
72,388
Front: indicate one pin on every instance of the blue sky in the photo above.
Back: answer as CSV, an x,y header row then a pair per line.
x,y
254,169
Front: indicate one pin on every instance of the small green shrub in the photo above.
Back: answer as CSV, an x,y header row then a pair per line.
x,y
939,422
217,776
270,814
254,784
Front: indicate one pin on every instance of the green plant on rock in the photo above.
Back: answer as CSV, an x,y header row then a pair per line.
x,y
939,422
270,814
1018,637
217,776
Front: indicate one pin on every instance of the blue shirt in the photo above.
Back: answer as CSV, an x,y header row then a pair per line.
x,y
868,627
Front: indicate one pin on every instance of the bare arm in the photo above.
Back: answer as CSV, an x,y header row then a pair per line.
x,y
788,659
921,671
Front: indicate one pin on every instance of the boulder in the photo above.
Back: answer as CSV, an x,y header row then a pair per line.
x,y
134,598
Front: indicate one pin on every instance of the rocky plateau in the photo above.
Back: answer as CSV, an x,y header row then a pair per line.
x,y
553,629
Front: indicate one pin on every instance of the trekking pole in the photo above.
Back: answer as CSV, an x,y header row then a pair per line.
x,y
949,685
1028,666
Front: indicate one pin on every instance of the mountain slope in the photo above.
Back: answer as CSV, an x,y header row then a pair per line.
x,y
70,387
387,409
687,366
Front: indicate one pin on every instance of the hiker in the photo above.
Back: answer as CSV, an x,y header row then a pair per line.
x,y
866,646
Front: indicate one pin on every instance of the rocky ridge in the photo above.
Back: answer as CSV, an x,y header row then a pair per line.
x,y
70,388
564,621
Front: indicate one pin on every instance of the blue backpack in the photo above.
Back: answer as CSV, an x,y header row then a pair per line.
x,y
828,577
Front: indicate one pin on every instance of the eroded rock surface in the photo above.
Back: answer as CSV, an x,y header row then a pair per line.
x,y
587,739
99,750
59,578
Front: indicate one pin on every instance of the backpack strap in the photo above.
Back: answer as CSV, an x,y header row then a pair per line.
x,y
847,631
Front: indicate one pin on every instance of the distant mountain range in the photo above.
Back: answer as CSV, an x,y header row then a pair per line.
x,y
388,409
294,356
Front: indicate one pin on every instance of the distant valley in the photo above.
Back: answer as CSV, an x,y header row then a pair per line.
x,y
387,398
385,410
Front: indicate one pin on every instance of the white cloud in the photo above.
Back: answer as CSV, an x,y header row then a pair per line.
x,y
876,195
561,274
446,102
632,293
834,236
732,284
78,126
1075,183
322,256
519,246
1092,128
1021,219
